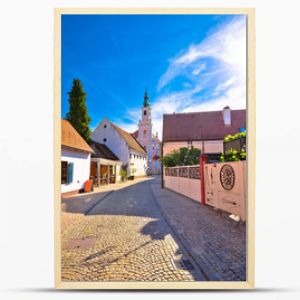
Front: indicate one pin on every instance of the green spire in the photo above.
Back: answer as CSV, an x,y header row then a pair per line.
x,y
146,99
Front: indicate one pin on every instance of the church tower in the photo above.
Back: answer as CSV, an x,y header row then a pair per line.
x,y
145,129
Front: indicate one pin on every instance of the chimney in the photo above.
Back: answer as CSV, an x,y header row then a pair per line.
x,y
227,116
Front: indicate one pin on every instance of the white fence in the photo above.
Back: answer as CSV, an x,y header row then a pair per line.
x,y
184,180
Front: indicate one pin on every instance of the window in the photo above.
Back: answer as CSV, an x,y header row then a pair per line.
x,y
145,112
105,126
144,133
104,140
66,172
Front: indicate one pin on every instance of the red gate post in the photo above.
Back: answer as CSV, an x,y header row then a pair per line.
x,y
203,160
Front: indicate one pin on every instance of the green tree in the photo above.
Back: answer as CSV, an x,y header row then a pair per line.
x,y
78,113
182,157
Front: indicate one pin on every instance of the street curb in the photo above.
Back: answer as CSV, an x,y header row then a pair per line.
x,y
95,204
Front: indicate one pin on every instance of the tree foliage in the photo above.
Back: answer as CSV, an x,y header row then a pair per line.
x,y
78,113
182,157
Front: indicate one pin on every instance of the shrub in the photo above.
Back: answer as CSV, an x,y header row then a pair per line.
x,y
123,173
182,157
238,135
233,155
239,153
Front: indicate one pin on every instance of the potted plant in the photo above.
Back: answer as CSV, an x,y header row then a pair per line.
x,y
132,171
123,173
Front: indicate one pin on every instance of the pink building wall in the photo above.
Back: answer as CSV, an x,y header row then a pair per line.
x,y
205,146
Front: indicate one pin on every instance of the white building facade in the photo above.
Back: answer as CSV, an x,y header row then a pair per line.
x,y
124,145
75,168
75,160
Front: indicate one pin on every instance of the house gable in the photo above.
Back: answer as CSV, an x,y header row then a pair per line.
x,y
106,134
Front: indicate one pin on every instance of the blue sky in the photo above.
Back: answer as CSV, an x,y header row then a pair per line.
x,y
187,62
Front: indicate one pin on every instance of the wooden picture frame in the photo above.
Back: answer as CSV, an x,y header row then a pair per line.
x,y
249,283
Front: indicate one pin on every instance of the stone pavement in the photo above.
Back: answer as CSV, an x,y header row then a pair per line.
x,y
123,237
145,233
216,243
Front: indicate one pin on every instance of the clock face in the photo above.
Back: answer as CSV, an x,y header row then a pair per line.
x,y
227,177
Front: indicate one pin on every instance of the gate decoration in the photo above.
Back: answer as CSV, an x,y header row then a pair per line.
x,y
221,185
225,186
227,177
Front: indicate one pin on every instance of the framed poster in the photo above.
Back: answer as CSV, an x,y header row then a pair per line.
x,y
154,150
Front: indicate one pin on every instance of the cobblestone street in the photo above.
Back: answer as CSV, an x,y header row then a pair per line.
x,y
145,233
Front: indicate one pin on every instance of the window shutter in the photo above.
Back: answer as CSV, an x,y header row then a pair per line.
x,y
70,172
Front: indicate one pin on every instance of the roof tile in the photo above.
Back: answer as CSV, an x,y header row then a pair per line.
x,y
201,125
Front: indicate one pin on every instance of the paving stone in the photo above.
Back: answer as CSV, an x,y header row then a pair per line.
x,y
137,242
214,240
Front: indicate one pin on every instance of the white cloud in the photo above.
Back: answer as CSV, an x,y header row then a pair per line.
x,y
225,79
227,46
199,69
129,127
233,97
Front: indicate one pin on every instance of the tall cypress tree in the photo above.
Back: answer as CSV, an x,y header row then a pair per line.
x,y
78,114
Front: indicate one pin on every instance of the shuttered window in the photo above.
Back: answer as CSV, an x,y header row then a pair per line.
x,y
67,170
70,172
64,172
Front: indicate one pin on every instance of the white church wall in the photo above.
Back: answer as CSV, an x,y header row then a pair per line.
x,y
148,140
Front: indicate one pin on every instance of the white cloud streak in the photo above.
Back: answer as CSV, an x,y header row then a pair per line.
x,y
225,79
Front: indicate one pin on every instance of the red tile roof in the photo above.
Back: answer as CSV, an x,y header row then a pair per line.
x,y
201,125
135,134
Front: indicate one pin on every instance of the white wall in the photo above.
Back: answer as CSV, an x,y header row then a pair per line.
x,y
139,163
113,140
189,187
81,171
